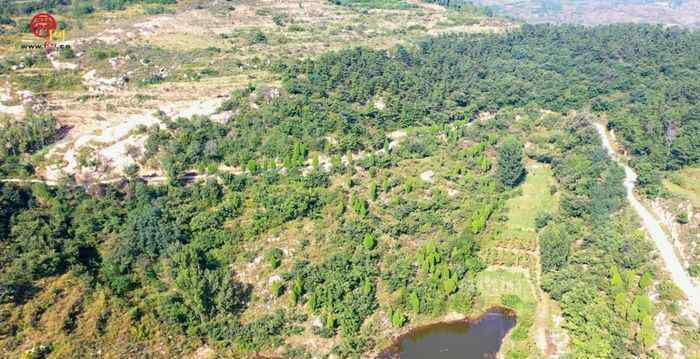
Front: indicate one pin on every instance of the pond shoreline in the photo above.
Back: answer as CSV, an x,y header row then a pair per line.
x,y
392,351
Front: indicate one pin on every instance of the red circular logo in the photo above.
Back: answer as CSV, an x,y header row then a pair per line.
x,y
42,24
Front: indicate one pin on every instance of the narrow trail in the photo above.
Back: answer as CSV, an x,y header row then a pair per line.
x,y
673,265
325,164
147,179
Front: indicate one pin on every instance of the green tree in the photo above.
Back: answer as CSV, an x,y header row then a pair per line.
x,y
369,242
373,191
511,166
274,257
647,333
297,290
480,217
449,284
205,292
555,247
252,166
359,205
414,301
398,319
616,280
620,303
277,288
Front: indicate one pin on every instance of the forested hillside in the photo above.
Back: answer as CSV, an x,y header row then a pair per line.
x,y
334,231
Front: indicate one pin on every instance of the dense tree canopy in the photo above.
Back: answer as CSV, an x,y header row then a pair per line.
x,y
644,77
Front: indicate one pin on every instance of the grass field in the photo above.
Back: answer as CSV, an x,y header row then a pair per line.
x,y
685,184
498,286
536,198
494,283
513,254
516,243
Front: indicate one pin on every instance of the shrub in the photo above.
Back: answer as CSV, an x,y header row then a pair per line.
x,y
682,218
274,257
112,4
369,242
257,37
66,53
278,20
7,21
102,54
542,219
208,72
694,270
277,288
511,301
82,8
58,80
155,10
295,28
153,79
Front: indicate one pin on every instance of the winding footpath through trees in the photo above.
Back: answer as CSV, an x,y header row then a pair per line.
x,y
673,265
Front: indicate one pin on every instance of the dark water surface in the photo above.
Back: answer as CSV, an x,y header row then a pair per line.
x,y
457,340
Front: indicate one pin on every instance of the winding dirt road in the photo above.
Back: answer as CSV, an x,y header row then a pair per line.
x,y
673,265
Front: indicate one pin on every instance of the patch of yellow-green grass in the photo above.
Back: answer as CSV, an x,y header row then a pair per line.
x,y
685,184
37,81
514,289
495,282
536,198
514,250
10,45
516,243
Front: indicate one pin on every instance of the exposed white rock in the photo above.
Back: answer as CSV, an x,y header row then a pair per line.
x,y
427,176
58,65
16,111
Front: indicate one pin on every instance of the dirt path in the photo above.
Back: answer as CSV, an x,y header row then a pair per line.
x,y
147,179
673,265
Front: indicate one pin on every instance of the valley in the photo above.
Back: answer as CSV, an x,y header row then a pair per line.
x,y
599,12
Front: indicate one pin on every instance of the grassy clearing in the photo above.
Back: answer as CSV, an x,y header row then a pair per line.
x,y
514,289
516,243
685,184
494,283
515,249
536,198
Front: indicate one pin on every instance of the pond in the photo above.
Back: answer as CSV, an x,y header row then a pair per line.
x,y
475,339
